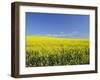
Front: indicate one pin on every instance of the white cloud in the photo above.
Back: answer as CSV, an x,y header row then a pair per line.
x,y
61,32
74,34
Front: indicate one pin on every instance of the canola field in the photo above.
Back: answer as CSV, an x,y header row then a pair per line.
x,y
51,51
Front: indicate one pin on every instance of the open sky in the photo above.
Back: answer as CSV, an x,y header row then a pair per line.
x,y
57,25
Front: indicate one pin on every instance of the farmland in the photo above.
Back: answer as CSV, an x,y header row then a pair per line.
x,y
51,51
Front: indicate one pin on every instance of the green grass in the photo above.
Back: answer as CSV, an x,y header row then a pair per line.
x,y
50,51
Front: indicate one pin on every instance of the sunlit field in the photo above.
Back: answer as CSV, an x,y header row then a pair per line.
x,y
51,51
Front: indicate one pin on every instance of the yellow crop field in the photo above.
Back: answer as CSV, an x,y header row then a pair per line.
x,y
52,51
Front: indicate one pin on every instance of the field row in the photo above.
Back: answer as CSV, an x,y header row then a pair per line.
x,y
47,51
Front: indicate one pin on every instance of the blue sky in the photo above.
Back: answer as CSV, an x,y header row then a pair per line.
x,y
57,25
